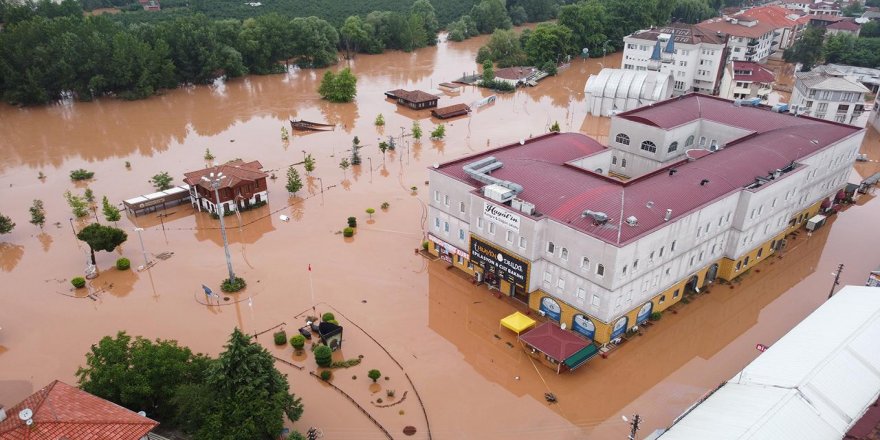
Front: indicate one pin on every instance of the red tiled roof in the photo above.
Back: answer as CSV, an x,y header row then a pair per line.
x,y
562,192
824,17
554,341
758,73
714,25
450,111
414,96
772,14
65,412
684,33
236,171
845,25
515,73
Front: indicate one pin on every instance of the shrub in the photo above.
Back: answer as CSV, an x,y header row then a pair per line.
x,y
352,222
123,264
385,205
374,374
439,132
370,212
348,232
298,342
127,164
332,321
78,282
328,317
425,245
325,375
389,393
280,337
323,356
656,316
296,435
233,285
380,120
81,174
414,188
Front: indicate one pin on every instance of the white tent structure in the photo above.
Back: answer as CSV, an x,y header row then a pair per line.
x,y
815,383
617,90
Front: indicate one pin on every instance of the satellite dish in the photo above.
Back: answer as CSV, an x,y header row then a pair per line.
x,y
522,141
142,413
26,415
625,420
436,165
562,326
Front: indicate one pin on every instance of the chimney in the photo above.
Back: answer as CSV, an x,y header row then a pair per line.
x,y
668,215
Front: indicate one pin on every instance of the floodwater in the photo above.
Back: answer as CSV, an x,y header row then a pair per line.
x,y
425,327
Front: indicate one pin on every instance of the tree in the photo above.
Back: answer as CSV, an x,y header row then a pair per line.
x,y
140,374
488,72
439,132
38,213
353,35
294,183
590,24
374,374
854,9
250,397
89,195
101,238
309,163
340,87
344,164
870,29
550,43
555,127
416,130
692,11
380,120
208,156
162,181
323,356
807,50
355,154
77,204
504,48
6,224
428,17
490,15
518,15
315,43
463,28
370,212
111,213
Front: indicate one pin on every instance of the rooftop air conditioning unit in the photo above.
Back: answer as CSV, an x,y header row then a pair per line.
x,y
527,208
542,313
498,193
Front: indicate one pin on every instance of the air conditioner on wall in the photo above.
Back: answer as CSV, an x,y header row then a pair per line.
x,y
542,313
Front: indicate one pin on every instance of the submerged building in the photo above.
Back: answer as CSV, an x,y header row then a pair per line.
x,y
597,238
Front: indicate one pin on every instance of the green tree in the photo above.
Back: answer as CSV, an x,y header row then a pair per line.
x,y
340,87
692,11
370,212
162,181
323,356
344,164
518,15
250,396
266,40
807,50
374,374
870,29
208,156
101,238
550,43
89,195
309,163
490,15
463,28
505,49
416,130
6,224
38,213
315,42
111,213
294,183
555,127
439,132
854,9
355,154
140,374
77,204
590,24
425,11
354,35
380,120
488,72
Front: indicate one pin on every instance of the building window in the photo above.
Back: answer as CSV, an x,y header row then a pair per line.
x,y
622,139
560,283
623,272
662,299
437,223
635,265
581,294
509,236
691,262
547,278
702,141
600,270
649,146
461,234
585,263
613,160
679,85
675,294
480,223
461,207
760,252
492,228
661,251
738,266
623,163
672,147
595,301
672,248
564,254
682,63
437,196
522,242
446,200
446,227
746,262
551,248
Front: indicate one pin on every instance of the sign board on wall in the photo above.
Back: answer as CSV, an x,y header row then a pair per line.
x,y
644,313
504,265
501,216
619,327
581,324
550,308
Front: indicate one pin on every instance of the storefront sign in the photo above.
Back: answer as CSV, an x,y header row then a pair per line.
x,y
619,327
501,216
151,203
581,324
504,265
551,308
448,248
644,313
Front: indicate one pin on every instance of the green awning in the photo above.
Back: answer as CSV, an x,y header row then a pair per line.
x,y
582,356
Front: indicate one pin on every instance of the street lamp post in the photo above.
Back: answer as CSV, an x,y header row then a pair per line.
x,y
371,168
321,182
214,180
143,249
605,49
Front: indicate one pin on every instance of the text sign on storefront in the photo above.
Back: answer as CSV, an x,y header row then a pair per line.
x,y
501,216
505,266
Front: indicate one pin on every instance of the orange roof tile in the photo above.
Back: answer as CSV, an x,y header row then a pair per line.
x,y
236,171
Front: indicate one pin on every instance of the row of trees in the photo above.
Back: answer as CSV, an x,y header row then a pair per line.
x,y
239,395
814,48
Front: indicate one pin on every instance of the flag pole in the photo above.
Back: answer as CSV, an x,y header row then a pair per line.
x,y
312,289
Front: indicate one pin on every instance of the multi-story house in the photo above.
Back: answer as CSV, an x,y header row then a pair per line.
x,y
689,190
813,7
692,58
746,80
825,93
748,38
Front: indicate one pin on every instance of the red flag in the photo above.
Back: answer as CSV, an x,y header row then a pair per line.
x,y
310,267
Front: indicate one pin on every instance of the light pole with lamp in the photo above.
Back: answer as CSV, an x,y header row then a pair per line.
x,y
214,180
371,168
321,182
143,249
604,50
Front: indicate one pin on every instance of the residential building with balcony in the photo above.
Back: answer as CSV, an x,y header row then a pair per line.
x,y
874,118
788,25
813,7
746,80
825,93
843,27
748,39
689,190
692,58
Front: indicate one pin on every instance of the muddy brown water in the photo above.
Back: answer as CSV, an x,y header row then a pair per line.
x,y
443,332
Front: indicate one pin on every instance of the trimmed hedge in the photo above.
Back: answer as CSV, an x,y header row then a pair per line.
x,y
78,282
123,264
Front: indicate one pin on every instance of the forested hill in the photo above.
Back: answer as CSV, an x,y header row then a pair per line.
x,y
334,11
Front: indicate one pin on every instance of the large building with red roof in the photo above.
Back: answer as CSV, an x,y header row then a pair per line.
x,y
689,190
242,186
60,411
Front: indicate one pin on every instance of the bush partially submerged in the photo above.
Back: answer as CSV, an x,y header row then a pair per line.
x,y
233,285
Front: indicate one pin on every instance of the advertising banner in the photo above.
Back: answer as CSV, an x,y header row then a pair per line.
x,y
644,313
581,324
551,308
501,216
619,327
512,269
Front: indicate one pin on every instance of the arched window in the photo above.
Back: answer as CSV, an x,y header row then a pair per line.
x,y
622,139
649,146
689,142
623,163
672,147
613,160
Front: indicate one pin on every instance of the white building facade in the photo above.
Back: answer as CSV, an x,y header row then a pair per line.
x,y
748,39
692,58
616,90
827,94
746,80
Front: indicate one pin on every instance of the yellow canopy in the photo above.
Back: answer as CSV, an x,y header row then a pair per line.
x,y
518,322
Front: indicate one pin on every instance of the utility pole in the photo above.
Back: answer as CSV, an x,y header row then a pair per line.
x,y
836,279
634,426
215,181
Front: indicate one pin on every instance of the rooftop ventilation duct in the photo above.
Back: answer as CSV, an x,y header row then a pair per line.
x,y
599,218
479,171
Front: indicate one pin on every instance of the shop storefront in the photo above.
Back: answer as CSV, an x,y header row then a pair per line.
x,y
503,270
448,252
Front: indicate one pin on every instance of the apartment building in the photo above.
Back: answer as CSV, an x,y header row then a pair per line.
x,y
691,57
746,80
748,38
826,93
689,190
